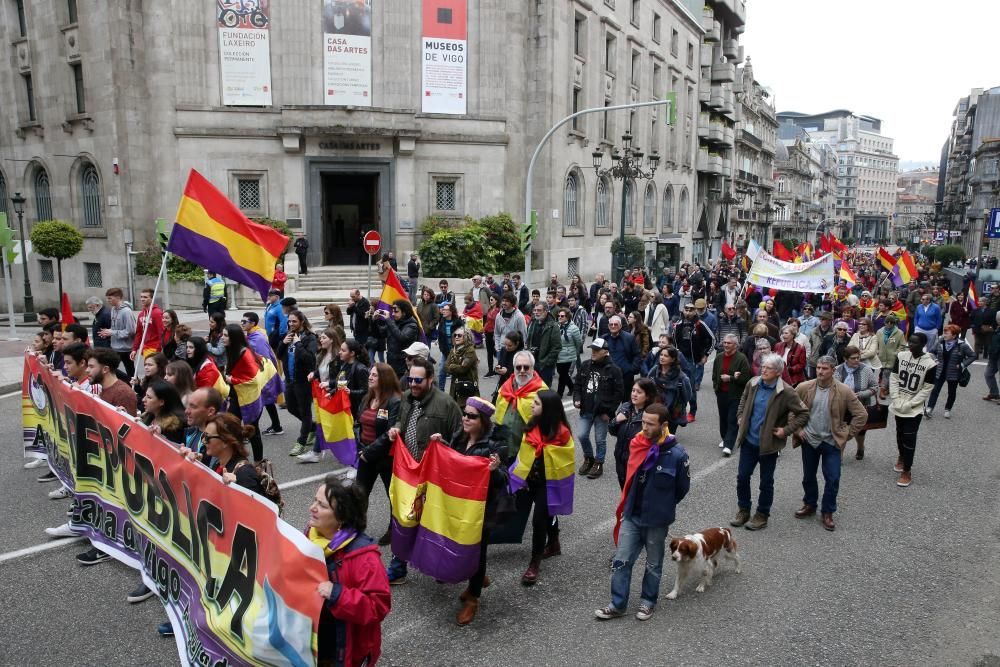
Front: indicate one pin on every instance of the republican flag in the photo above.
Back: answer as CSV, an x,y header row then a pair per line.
x,y
899,310
972,298
836,246
438,506
214,234
67,312
393,291
558,458
745,263
847,275
727,251
250,374
804,251
209,376
335,424
904,271
474,317
781,252
824,243
885,259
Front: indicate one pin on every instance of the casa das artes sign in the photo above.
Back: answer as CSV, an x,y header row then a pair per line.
x,y
445,57
340,145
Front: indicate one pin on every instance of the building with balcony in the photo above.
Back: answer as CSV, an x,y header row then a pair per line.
x,y
111,105
805,189
984,196
914,220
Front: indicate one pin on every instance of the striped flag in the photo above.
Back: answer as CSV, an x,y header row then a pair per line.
x,y
899,310
727,251
972,298
335,424
781,251
885,259
474,317
393,291
905,270
558,457
250,374
847,275
209,376
438,508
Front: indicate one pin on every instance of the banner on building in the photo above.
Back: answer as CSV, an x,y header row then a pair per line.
x,y
347,52
770,272
245,52
237,582
444,52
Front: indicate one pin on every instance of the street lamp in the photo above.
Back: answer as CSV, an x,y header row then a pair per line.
x,y
18,201
627,166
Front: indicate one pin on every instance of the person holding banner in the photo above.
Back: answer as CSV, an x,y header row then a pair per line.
x,y
356,599
379,412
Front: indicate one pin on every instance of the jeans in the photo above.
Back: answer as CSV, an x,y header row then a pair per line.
x,y
936,391
830,457
991,377
631,540
932,336
600,425
906,438
697,375
298,398
749,458
728,428
546,373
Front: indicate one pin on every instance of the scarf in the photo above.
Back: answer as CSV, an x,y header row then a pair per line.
x,y
340,539
558,458
518,398
564,329
642,456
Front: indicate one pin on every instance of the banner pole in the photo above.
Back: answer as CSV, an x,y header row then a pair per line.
x,y
152,302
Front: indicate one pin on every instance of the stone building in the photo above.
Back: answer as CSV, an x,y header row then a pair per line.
x,y
805,189
327,114
914,219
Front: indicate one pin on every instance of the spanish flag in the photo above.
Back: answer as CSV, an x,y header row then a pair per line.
x,y
334,424
214,234
847,275
438,508
558,457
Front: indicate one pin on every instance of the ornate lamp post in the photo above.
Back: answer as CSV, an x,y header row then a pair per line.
x,y
626,166
18,201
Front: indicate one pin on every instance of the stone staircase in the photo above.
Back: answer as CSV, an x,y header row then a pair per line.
x,y
332,284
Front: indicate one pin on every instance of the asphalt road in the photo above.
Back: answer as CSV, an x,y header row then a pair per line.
x,y
910,577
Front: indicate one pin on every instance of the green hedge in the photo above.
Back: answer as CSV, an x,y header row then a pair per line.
x,y
468,246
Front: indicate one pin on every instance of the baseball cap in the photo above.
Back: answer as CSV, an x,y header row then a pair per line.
x,y
417,350
826,315
599,344
700,304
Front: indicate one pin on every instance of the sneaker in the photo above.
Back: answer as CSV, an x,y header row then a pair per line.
x,y
48,477
928,411
987,397
588,463
690,418
596,470
608,612
35,463
644,613
396,571
727,452
309,457
899,464
92,556
59,494
759,522
722,443
273,430
61,531
140,594
905,479
297,450
742,516
947,414
165,629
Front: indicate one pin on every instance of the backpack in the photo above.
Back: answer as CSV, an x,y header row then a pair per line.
x,y
268,483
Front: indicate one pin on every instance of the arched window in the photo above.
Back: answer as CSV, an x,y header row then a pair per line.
x,y
603,203
571,201
649,209
682,212
90,196
668,209
3,196
629,204
43,198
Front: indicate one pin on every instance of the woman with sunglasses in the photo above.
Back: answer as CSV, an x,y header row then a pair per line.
x,y
479,437
334,319
463,366
571,339
379,412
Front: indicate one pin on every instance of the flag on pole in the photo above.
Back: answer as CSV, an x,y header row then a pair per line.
x,y
885,259
67,311
972,298
393,291
334,424
753,249
899,310
728,251
214,234
804,251
782,252
904,271
847,275
837,248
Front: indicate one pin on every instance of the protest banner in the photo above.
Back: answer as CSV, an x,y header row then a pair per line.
x,y
238,583
769,272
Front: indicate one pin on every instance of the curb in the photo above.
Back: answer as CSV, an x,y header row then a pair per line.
x,y
9,387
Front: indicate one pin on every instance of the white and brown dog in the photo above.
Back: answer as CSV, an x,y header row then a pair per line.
x,y
699,554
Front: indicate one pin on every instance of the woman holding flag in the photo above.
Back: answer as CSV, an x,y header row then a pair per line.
x,y
206,373
400,330
245,374
543,468
473,315
327,370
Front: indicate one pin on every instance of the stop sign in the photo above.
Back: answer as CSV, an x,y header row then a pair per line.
x,y
372,242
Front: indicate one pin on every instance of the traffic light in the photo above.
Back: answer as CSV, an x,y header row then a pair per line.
x,y
530,230
162,235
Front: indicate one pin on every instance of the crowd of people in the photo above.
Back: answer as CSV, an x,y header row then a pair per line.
x,y
820,369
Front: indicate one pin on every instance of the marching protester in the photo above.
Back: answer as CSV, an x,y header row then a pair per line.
x,y
450,322
544,342
275,320
463,366
891,340
379,412
244,368
150,317
102,321
673,387
163,408
927,320
954,356
168,342
596,395
179,374
489,331
298,351
861,379
867,343
730,374
154,366
624,352
326,370
627,422
569,353
352,375
824,436
794,355
658,478
258,341
121,332
216,348
400,330
910,383
428,312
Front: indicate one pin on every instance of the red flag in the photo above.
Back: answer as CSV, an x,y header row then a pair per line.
x,y
67,312
727,251
781,252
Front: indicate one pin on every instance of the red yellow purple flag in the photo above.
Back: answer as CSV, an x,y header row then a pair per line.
x,y
393,291
335,424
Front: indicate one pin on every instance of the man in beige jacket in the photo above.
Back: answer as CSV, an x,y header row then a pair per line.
x,y
823,437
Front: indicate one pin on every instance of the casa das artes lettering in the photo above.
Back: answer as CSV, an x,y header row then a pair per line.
x,y
336,44
349,146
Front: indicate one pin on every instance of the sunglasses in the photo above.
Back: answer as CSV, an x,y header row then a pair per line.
x,y
471,415
244,321
415,380
523,369
205,437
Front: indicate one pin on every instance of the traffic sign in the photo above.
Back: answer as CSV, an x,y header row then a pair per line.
x,y
372,242
993,230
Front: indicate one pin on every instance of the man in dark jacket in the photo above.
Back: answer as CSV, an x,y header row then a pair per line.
x,y
730,374
730,323
658,478
521,292
102,320
424,411
413,275
544,342
625,354
297,352
596,394
693,338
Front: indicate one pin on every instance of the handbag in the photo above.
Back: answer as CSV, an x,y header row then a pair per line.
x,y
878,416
465,388
964,378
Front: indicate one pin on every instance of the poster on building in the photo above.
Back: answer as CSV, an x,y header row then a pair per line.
x,y
245,52
347,52
445,55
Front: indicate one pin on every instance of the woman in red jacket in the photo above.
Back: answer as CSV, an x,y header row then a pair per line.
x,y
794,355
356,598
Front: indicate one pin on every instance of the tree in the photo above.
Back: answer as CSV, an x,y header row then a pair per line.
x,y
457,251
947,254
503,235
56,239
635,251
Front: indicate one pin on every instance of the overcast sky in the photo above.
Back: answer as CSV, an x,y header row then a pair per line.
x,y
904,61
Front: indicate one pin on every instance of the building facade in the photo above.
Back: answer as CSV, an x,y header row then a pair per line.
x,y
805,179
342,117
753,177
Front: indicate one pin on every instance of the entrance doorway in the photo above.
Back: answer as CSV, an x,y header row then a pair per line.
x,y
350,208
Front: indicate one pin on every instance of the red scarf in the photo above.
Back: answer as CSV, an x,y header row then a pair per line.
x,y
539,442
510,394
639,450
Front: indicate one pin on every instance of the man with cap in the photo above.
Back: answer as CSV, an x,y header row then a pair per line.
x,y
707,316
414,351
596,394
514,399
820,341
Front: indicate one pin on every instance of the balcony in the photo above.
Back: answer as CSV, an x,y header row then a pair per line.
x,y
713,34
704,122
702,164
715,131
707,18
730,49
747,177
715,164
750,139
718,97
704,91
723,73
727,136
727,167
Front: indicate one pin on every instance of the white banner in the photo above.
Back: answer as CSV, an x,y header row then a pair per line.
x,y
444,53
769,272
245,52
347,52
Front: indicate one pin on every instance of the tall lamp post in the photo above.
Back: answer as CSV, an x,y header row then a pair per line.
x,y
626,166
18,201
